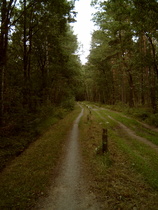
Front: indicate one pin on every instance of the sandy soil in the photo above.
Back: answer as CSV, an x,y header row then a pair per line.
x,y
70,190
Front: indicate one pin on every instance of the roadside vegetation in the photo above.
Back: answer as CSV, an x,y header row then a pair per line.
x,y
16,139
134,125
41,80
141,113
29,175
36,78
126,177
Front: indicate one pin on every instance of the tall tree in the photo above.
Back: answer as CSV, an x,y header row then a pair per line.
x,y
128,42
5,18
42,65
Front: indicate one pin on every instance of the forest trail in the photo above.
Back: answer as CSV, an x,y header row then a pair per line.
x,y
78,177
130,132
69,191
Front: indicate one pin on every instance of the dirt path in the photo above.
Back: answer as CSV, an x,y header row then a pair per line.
x,y
143,124
69,191
133,135
130,132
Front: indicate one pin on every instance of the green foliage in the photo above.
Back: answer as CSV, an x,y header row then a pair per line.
x,y
141,113
143,158
123,60
69,103
29,176
128,167
39,86
42,66
15,138
153,119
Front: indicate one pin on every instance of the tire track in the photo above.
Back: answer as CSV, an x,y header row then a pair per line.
x,y
130,132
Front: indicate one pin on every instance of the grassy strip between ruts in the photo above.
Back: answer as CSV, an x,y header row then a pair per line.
x,y
114,177
29,175
143,158
133,124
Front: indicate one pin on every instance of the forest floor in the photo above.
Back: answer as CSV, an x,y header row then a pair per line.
x,y
82,177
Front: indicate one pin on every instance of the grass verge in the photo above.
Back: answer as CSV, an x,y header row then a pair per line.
x,y
16,138
143,158
134,125
29,175
114,177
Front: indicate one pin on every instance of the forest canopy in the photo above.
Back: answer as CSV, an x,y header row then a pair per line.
x,y
38,63
41,75
123,61
39,66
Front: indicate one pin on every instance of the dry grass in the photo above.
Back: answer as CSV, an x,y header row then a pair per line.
x,y
112,177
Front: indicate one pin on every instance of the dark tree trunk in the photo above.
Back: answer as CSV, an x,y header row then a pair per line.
x,y
25,59
131,90
3,55
153,55
152,90
26,62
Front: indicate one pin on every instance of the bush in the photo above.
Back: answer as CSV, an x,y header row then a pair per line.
x,y
46,110
153,119
141,114
69,103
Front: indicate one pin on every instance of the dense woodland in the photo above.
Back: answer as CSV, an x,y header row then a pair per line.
x,y
38,64
40,68
123,62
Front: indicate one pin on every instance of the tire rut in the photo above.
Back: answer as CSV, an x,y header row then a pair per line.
x,y
130,132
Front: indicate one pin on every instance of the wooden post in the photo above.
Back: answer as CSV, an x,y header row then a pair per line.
x,y
104,141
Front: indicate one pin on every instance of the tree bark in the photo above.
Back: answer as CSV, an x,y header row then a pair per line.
x,y
131,90
3,55
25,60
153,54
152,90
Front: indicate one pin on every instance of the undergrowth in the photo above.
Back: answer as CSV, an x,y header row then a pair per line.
x,y
16,138
29,175
133,124
141,113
